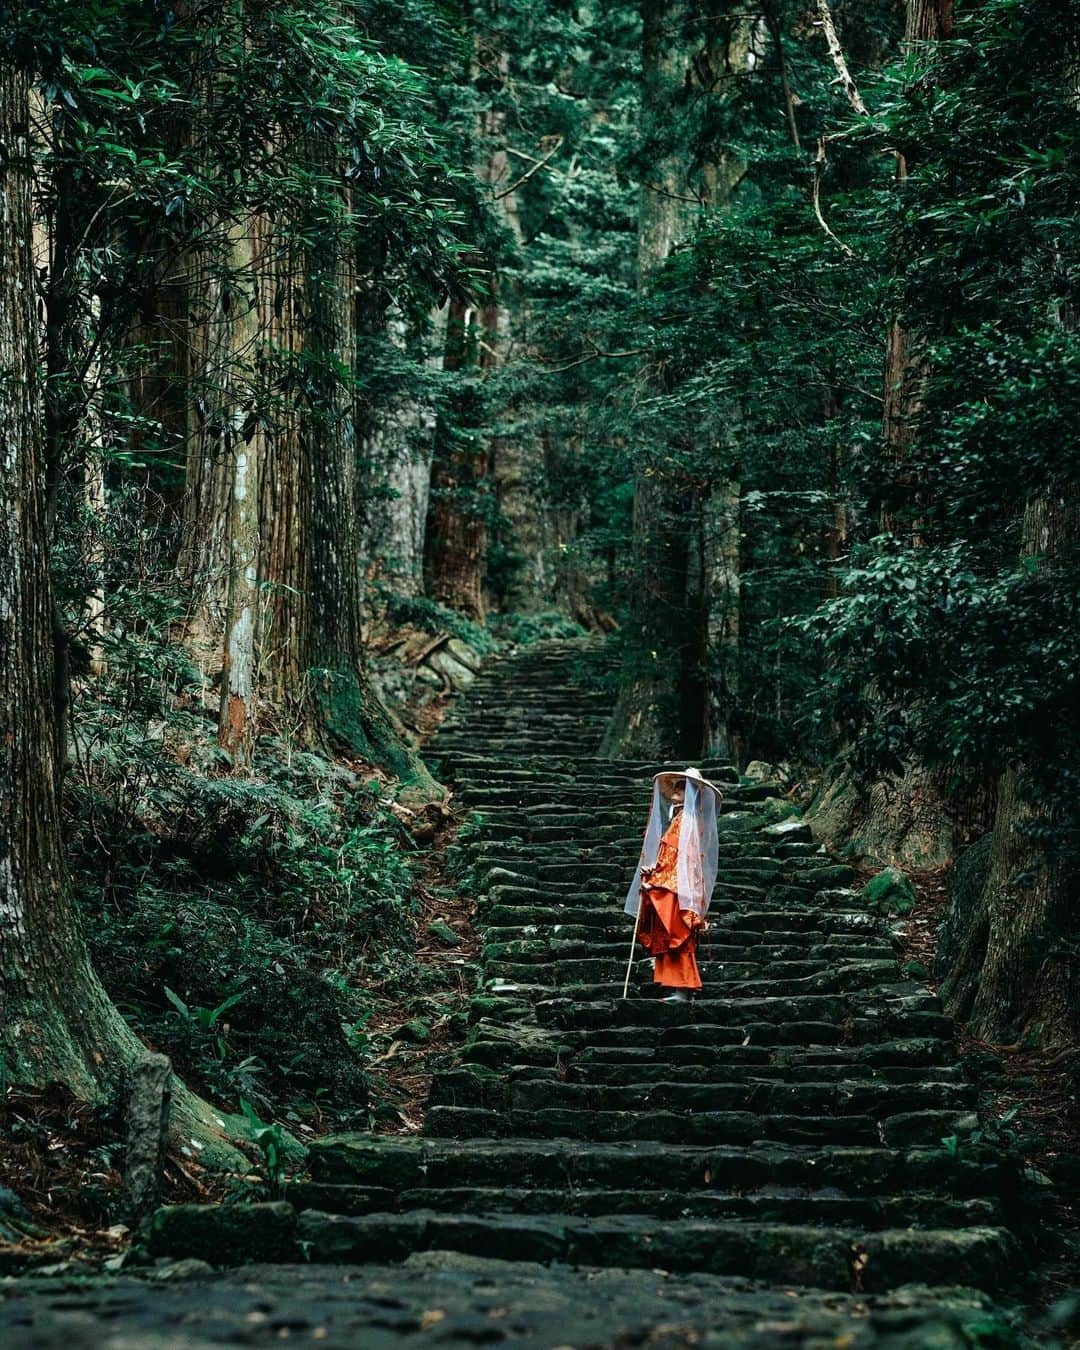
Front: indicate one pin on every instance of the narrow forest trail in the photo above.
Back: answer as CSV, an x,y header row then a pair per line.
x,y
764,1166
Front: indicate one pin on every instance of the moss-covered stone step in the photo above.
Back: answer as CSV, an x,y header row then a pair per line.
x,y
582,946
764,1094
536,923
718,1068
737,980
898,1061
695,1126
395,1165
771,1204
733,916
588,767
825,1257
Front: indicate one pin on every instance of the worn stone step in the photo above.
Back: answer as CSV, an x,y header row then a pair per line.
x,y
911,1060
537,950
759,1092
722,1068
696,1126
390,1165
771,1204
824,1257
738,980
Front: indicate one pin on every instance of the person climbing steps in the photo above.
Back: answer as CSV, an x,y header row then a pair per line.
x,y
672,886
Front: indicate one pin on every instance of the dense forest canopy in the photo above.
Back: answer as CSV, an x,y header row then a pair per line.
x,y
746,334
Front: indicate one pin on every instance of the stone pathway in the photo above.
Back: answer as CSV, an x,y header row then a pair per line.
x,y
439,1299
764,1166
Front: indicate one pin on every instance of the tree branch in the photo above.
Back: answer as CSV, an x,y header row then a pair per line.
x,y
537,166
819,165
597,355
836,52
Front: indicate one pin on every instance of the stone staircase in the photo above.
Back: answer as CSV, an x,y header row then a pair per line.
x,y
802,1122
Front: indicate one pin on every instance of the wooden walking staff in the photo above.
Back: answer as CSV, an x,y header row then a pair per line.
x,y
633,944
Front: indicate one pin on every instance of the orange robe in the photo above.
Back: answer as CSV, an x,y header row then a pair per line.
x,y
668,933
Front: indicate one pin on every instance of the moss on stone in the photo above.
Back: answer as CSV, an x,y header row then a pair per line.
x,y
890,892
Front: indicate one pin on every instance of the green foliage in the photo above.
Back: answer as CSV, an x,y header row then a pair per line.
x,y
428,615
240,922
269,1139
521,629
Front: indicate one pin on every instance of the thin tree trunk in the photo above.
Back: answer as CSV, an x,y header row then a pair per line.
x,y
398,451
245,446
721,544
320,660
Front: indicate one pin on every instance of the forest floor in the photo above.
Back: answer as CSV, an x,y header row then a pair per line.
x,y
1032,1105
60,1213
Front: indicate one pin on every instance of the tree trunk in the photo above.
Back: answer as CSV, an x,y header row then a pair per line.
x,y
661,709
57,1024
314,561
455,548
398,452
721,543
56,1020
908,819
517,454
1017,971
244,446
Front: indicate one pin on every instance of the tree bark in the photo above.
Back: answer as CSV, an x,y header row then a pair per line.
x,y
1017,971
56,1021
313,562
907,819
455,547
398,448
244,428
721,544
57,1024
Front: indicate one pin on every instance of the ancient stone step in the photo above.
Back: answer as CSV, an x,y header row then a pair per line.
x,y
821,1256
772,1204
397,1165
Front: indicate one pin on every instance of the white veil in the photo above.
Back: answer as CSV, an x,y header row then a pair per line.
x,y
699,847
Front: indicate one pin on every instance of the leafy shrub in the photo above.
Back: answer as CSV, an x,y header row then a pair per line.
x,y
434,618
245,925
523,629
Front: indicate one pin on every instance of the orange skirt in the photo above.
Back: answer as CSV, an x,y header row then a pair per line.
x,y
670,935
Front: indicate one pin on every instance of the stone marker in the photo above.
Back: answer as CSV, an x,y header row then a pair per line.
x,y
148,1105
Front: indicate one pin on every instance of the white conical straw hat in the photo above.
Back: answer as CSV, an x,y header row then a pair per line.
x,y
670,777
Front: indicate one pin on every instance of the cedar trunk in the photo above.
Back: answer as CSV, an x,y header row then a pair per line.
x,y
666,705
455,546
56,1021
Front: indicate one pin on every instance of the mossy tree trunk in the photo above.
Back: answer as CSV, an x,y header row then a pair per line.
x,y
315,651
1017,972
398,438
57,1023
456,540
